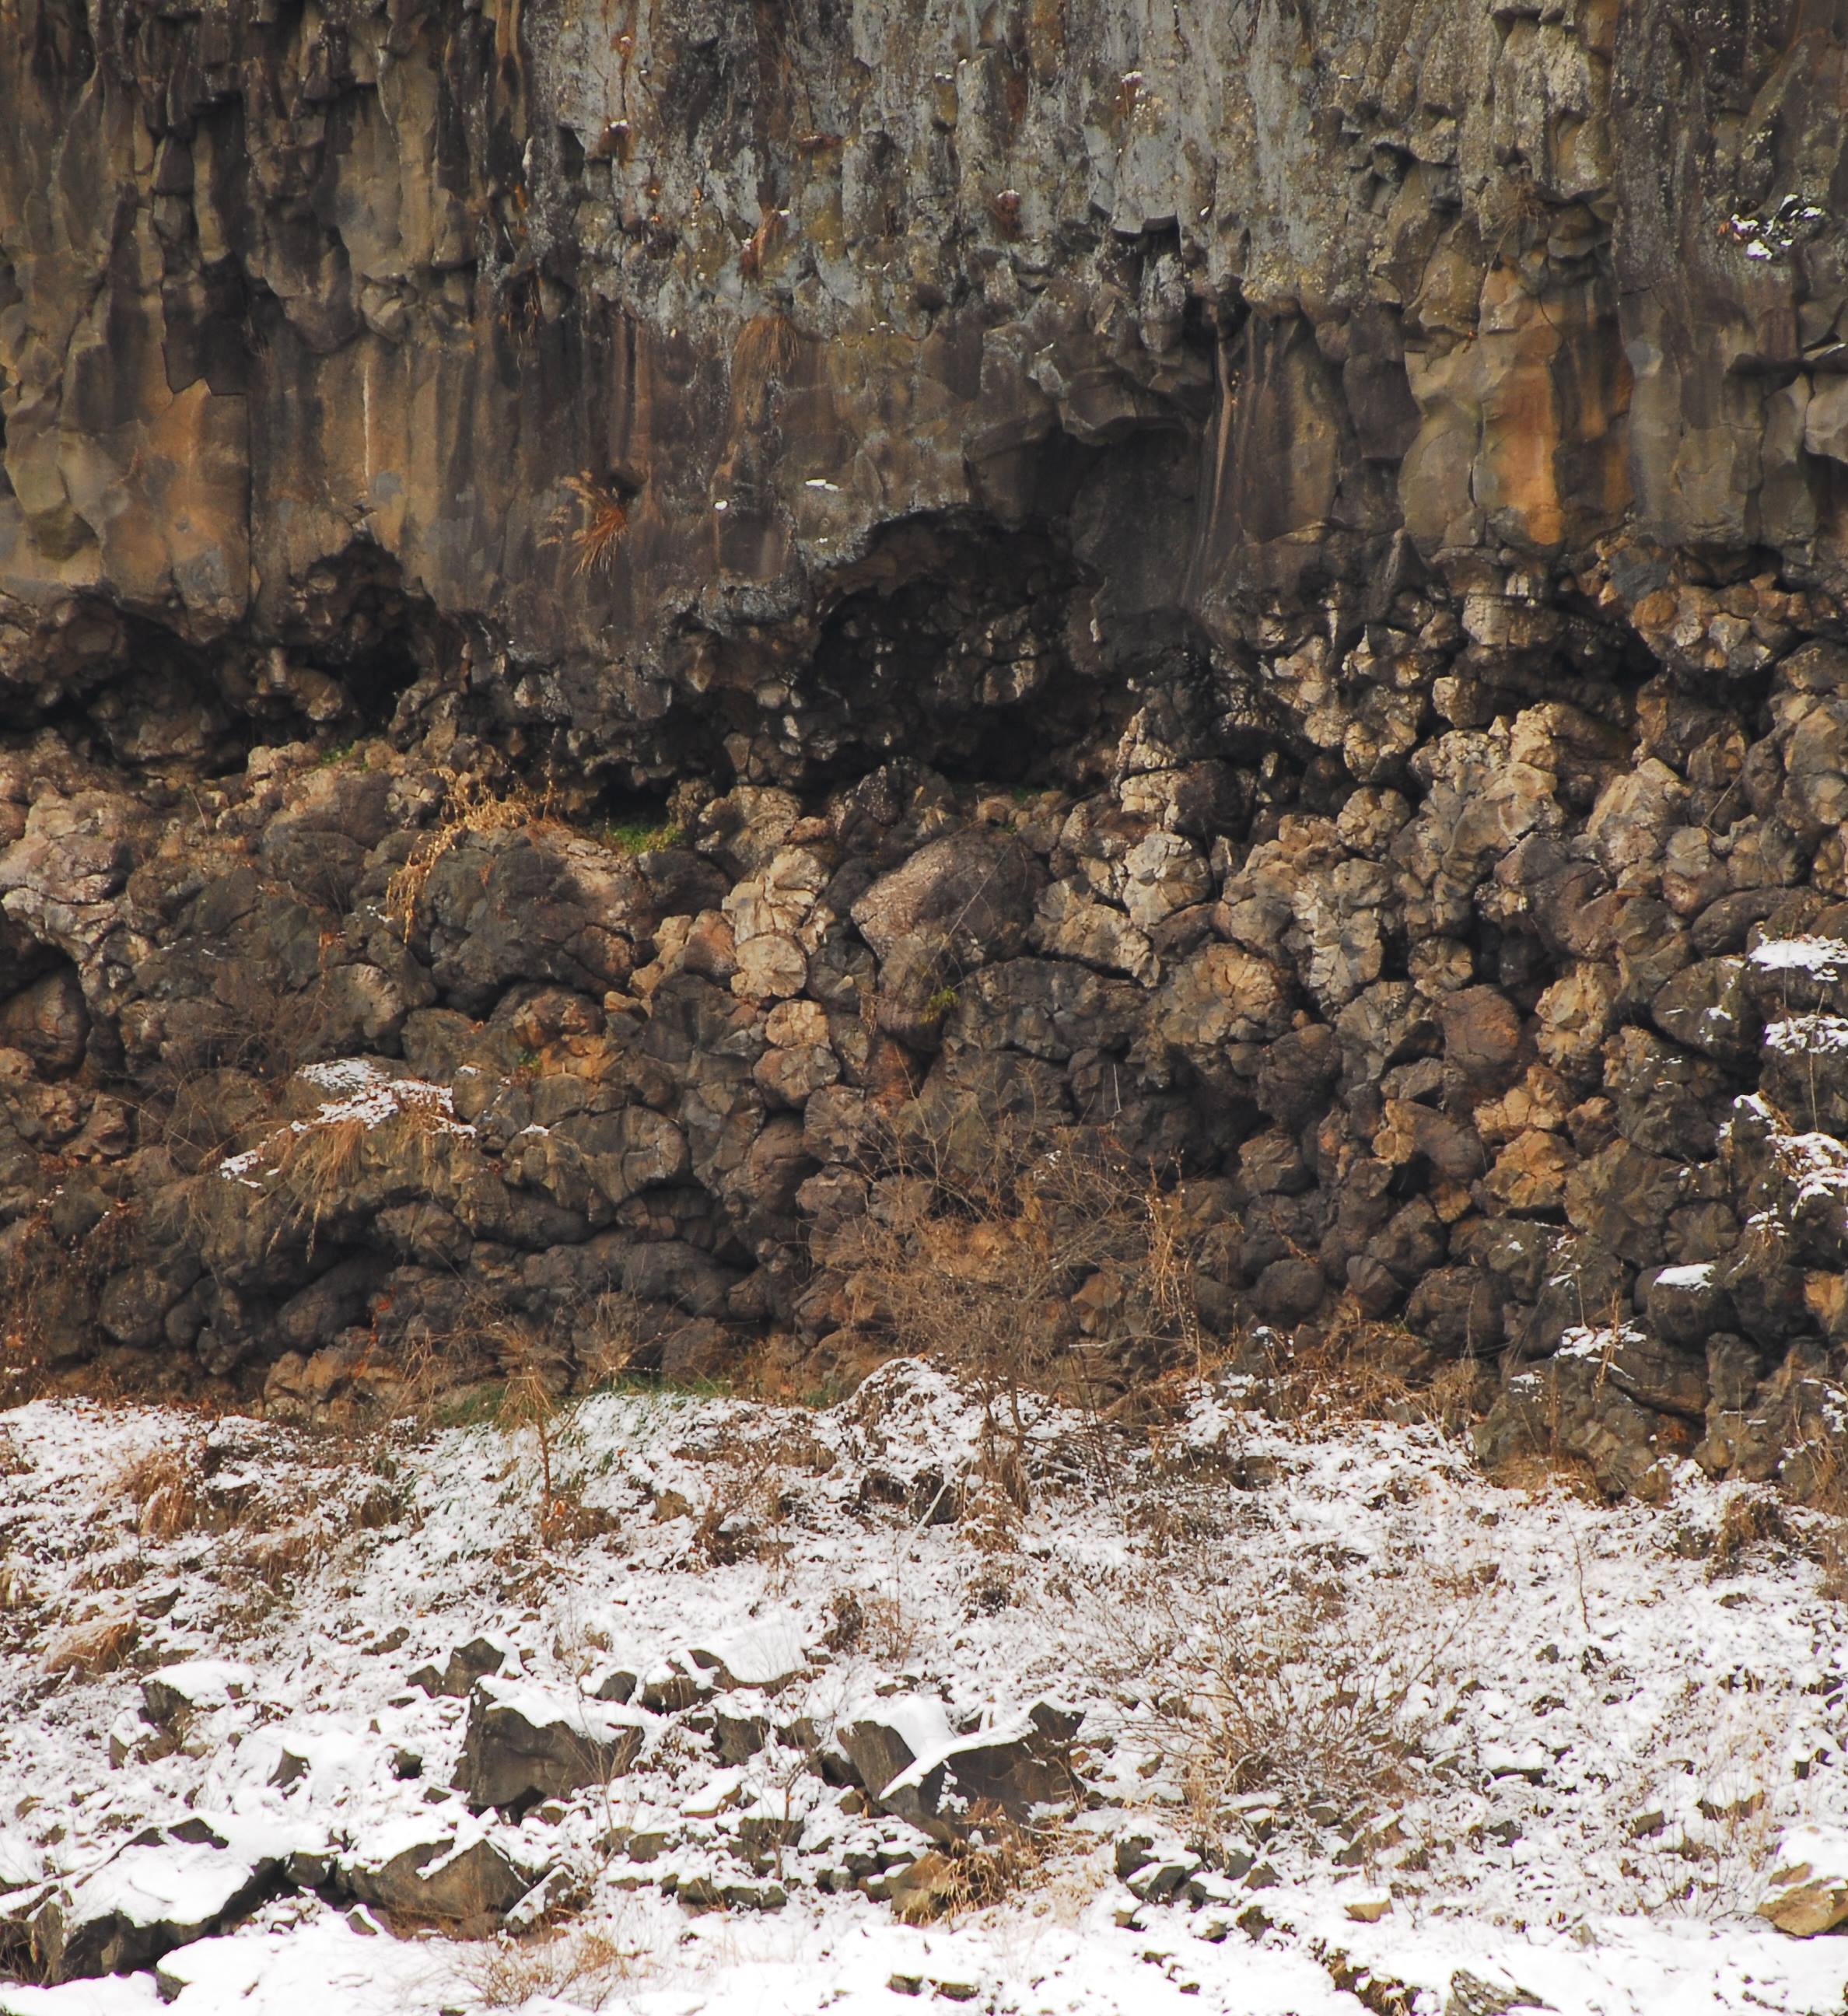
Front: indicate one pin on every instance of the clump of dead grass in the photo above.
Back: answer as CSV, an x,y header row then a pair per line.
x,y
1033,1262
1355,1367
1295,1688
1308,1704
97,1645
583,1964
471,805
602,519
164,1490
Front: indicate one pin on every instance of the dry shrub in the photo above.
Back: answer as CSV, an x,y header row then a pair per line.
x,y
746,1507
318,1165
471,805
581,1963
530,1404
874,1622
1307,1704
1292,1685
1750,1519
1357,1368
250,1022
99,1645
1034,1262
1726,1748
165,1490
603,518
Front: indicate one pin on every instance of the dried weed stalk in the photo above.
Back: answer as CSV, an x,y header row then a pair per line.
x,y
1035,1262
164,1489
582,1964
471,805
602,519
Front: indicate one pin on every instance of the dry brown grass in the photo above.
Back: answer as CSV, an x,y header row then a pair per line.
x,y
1822,1470
580,1963
1310,1705
1033,1263
602,520
471,805
1296,1685
317,1166
164,1488
99,1645
1355,1368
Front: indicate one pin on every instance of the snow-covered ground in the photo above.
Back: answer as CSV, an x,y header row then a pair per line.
x,y
1507,1749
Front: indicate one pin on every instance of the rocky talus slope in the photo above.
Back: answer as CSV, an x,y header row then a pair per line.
x,y
618,622
714,1705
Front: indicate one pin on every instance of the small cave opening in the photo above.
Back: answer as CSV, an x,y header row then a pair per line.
x,y
962,656
377,676
43,1013
637,821
357,626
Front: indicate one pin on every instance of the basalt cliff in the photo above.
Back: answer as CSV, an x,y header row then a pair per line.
x,y
611,609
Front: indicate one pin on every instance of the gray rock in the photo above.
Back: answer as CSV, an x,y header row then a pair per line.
x,y
426,1870
164,1890
522,1744
465,1663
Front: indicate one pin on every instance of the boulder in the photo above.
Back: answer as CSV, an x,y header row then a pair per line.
x,y
426,1868
523,1745
969,896
1707,1006
913,1764
1807,1891
465,1663
768,1656
1622,1403
160,1891
172,1695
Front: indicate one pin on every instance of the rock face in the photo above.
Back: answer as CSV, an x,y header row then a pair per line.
x,y
164,1890
523,1745
428,1872
644,596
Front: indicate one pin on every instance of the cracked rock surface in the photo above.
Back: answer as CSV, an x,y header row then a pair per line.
x,y
604,611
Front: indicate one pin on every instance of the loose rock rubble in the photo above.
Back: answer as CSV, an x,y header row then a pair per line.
x,y
1618,1185
1597,1749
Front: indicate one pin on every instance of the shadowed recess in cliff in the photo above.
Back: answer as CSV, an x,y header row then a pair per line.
x,y
145,697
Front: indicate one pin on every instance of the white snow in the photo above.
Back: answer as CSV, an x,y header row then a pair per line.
x,y
1798,1035
206,1683
190,1885
1610,1736
363,1090
1826,957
